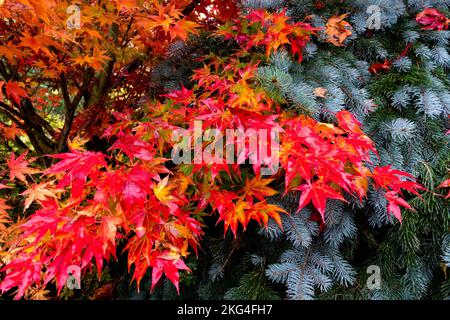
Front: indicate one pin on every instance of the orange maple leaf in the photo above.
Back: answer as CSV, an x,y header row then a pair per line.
x,y
10,132
338,30
37,192
96,61
4,219
261,212
257,187
34,43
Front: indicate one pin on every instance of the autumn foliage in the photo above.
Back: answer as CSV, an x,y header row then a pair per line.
x,y
79,203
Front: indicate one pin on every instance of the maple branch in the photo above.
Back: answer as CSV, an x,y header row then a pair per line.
x,y
65,92
9,109
33,123
190,7
3,71
125,36
103,83
34,126
28,110
14,119
70,108
83,89
20,143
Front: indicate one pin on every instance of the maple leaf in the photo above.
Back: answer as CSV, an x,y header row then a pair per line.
x,y
30,42
221,201
320,92
109,227
183,96
362,185
77,143
37,192
318,193
15,91
4,217
393,204
10,132
133,147
348,122
37,43
18,167
76,166
237,215
11,53
97,60
169,20
163,193
338,30
277,31
445,184
170,268
388,178
261,211
257,187
432,19
380,67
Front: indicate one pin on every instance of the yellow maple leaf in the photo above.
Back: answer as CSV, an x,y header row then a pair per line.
x,y
37,192
163,191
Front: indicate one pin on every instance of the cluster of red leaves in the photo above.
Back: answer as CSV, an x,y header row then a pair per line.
x,y
90,201
432,19
270,30
100,205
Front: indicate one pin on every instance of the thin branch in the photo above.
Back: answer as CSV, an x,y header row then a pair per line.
x,y
190,8
9,109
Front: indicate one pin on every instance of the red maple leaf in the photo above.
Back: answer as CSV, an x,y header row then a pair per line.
x,y
432,19
317,192
445,184
170,267
377,68
15,91
77,166
393,204
133,147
